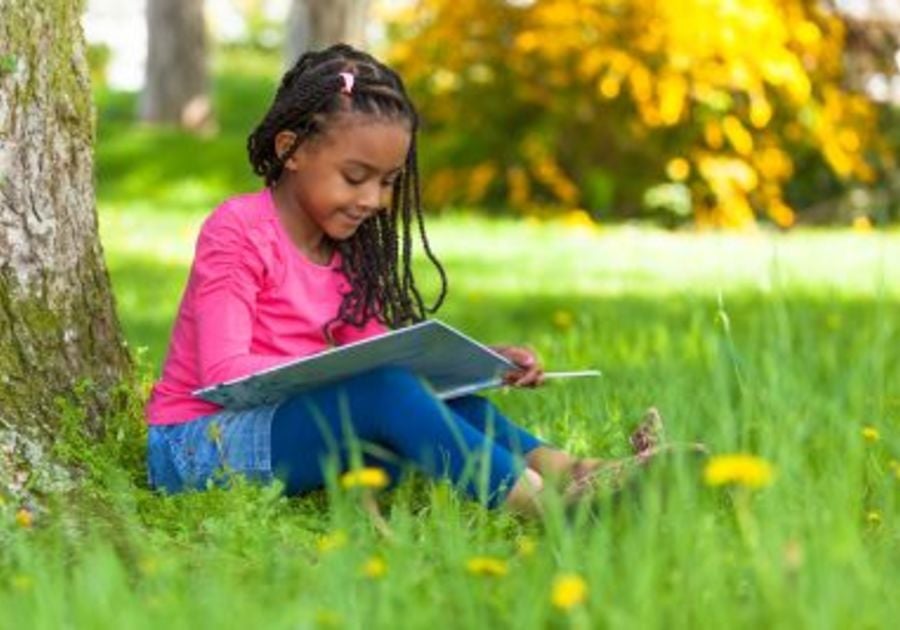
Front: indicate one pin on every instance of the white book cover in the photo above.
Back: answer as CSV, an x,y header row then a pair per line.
x,y
452,364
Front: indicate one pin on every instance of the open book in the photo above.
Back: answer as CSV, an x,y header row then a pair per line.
x,y
450,362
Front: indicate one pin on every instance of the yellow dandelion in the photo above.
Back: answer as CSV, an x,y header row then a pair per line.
x,y
873,517
793,555
525,546
563,319
894,465
569,590
22,582
331,541
871,434
365,478
148,565
328,619
739,469
373,568
24,518
486,565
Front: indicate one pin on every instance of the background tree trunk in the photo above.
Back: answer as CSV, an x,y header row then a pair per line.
x,y
315,24
58,327
176,88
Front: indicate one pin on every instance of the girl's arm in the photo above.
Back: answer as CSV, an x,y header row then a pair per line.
x,y
227,275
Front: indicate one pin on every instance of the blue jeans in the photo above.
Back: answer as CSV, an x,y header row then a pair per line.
x,y
387,416
393,420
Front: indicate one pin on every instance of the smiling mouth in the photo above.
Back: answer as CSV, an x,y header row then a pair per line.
x,y
359,218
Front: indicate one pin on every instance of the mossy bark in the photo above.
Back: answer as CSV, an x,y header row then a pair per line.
x,y
58,327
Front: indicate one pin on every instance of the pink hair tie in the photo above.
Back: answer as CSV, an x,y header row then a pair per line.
x,y
348,82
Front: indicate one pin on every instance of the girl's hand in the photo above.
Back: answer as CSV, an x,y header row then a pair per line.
x,y
530,373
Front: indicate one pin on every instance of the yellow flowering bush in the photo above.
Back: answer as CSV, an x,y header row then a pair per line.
x,y
593,103
738,469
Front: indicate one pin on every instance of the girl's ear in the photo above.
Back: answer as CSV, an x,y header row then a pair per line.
x,y
284,140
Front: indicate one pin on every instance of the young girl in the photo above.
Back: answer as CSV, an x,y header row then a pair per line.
x,y
319,257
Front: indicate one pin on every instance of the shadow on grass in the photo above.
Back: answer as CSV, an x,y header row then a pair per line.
x,y
805,342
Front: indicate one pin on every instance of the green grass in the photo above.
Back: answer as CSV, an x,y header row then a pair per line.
x,y
783,346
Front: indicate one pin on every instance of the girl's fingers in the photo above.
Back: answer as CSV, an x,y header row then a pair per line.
x,y
531,378
513,377
529,374
521,356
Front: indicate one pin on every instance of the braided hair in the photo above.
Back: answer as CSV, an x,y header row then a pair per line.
x,y
377,259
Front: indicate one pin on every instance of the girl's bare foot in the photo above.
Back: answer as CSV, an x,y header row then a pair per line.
x,y
645,440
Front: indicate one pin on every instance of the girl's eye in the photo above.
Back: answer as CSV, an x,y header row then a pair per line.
x,y
354,181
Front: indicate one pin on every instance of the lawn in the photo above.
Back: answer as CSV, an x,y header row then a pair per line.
x,y
775,345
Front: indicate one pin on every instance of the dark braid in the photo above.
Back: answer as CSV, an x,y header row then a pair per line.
x,y
377,259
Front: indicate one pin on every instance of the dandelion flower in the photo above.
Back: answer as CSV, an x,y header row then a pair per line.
x,y
563,319
365,478
486,565
24,518
894,465
374,568
569,590
739,469
332,541
793,555
525,546
871,434
328,619
22,582
148,565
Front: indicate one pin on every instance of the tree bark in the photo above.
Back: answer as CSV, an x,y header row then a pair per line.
x,y
315,24
59,333
176,89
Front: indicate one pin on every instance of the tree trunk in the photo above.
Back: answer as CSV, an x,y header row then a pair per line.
x,y
176,89
58,327
315,24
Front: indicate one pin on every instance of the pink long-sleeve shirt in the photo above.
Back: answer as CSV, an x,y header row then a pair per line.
x,y
252,301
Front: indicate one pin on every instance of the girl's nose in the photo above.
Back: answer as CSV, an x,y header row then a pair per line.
x,y
371,197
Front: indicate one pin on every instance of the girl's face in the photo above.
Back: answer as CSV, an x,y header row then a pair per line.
x,y
342,177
